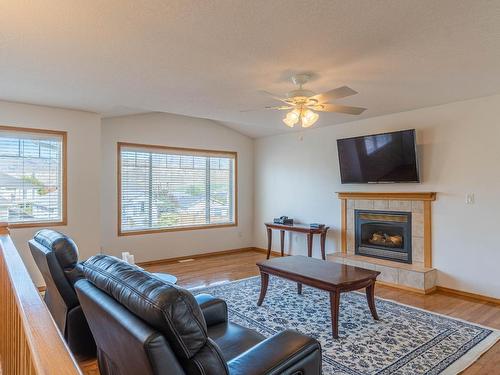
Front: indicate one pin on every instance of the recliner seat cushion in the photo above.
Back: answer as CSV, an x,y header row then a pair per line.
x,y
168,308
233,339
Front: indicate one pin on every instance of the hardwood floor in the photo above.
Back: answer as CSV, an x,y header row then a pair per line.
x,y
227,267
213,269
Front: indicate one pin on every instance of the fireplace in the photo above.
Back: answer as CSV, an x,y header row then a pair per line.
x,y
383,234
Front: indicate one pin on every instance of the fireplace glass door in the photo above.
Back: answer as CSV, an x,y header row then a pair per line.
x,y
382,234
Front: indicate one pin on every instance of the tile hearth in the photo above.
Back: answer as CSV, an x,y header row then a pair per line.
x,y
419,275
411,276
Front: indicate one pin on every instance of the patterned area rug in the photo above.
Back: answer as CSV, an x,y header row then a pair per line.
x,y
406,340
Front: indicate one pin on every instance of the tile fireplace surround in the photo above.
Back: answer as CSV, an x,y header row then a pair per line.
x,y
419,275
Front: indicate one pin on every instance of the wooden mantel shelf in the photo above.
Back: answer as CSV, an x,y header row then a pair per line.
x,y
401,196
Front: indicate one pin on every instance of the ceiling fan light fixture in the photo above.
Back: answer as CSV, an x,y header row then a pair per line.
x,y
309,118
304,104
289,122
292,118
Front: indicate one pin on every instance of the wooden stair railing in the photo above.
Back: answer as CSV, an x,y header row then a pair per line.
x,y
30,342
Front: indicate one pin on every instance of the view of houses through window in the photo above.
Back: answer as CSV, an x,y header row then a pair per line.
x,y
164,188
31,177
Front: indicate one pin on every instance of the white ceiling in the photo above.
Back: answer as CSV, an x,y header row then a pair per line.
x,y
209,58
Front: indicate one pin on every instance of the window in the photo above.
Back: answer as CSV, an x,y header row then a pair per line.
x,y
165,188
32,177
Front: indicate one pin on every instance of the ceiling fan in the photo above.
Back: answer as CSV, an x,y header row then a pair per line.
x,y
303,104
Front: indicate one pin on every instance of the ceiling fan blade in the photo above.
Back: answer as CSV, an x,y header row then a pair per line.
x,y
274,96
339,92
281,107
339,108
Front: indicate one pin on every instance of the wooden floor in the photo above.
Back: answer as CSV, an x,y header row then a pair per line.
x,y
215,269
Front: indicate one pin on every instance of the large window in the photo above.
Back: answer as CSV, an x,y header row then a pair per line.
x,y
164,188
32,177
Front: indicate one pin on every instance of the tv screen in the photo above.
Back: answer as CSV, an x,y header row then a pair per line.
x,y
379,158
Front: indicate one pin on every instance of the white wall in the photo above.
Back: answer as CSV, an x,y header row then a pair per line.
x,y
179,131
299,178
84,131
460,152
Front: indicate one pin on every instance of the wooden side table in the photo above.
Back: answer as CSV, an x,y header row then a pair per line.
x,y
298,228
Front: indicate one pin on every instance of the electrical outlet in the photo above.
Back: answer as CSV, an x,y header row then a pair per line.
x,y
469,198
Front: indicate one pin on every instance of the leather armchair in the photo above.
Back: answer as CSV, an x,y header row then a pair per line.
x,y
145,326
56,256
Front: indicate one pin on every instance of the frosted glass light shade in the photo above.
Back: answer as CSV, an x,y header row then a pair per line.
x,y
309,118
289,122
292,118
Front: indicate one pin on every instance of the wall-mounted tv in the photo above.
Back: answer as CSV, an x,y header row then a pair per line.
x,y
379,158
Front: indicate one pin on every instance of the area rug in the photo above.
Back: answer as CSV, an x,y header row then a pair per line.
x,y
405,340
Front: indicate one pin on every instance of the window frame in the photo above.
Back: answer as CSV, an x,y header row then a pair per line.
x,y
64,177
121,233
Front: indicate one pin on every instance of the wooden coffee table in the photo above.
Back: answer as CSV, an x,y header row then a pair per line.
x,y
332,277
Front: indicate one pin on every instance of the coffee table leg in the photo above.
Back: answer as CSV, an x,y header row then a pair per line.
x,y
299,288
334,306
264,281
370,296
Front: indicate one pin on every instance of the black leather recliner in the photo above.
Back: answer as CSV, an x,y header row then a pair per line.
x,y
56,256
145,326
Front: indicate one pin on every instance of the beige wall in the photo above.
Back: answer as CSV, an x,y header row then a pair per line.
x,y
294,174
297,174
179,131
84,160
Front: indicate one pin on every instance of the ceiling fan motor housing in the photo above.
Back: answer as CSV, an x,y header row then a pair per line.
x,y
300,94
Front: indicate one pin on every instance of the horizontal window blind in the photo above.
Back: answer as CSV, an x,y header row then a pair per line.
x,y
169,188
31,177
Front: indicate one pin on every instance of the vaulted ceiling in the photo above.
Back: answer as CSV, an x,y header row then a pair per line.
x,y
210,58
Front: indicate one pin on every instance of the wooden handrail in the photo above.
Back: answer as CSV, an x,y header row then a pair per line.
x,y
30,342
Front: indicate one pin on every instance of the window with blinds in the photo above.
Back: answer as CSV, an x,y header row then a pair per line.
x,y
32,183
164,188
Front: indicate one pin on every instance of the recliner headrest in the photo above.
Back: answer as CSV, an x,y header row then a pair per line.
x,y
168,308
64,248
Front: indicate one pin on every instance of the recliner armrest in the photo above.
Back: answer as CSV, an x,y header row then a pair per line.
x,y
287,352
214,309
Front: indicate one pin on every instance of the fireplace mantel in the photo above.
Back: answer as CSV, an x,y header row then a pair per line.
x,y
402,196
418,276
425,198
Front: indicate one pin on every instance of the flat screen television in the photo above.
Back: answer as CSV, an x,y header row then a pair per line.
x,y
379,158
